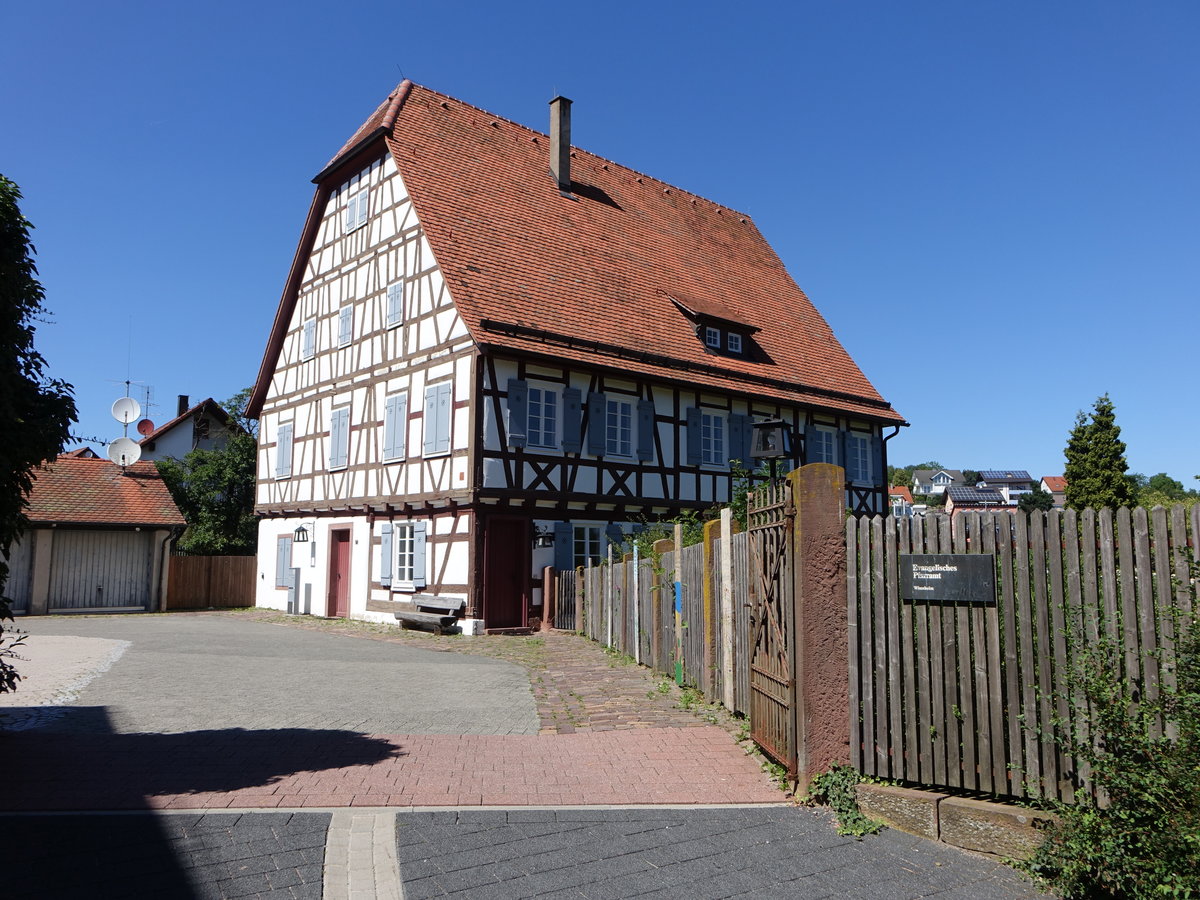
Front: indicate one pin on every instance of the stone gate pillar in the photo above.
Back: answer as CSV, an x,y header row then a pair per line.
x,y
820,657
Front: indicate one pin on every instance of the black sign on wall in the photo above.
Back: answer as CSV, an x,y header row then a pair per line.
x,y
948,577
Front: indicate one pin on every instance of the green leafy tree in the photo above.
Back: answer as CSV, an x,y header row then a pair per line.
x,y
902,476
1038,500
36,411
214,489
1164,484
1096,463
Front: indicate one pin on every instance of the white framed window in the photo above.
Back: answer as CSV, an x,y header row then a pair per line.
x,y
339,437
619,427
858,458
358,203
395,427
395,304
712,439
308,339
712,337
345,325
437,418
408,538
542,412
588,544
821,445
283,451
734,343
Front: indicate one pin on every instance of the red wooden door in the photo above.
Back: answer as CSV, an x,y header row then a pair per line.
x,y
507,556
338,601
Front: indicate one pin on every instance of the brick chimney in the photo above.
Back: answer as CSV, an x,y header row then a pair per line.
x,y
560,142
183,405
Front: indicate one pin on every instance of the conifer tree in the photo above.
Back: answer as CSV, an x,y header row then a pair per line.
x,y
1096,463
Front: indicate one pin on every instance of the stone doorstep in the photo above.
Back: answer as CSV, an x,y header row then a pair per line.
x,y
984,826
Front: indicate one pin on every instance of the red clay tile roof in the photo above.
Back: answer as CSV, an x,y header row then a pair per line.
x,y
588,278
900,491
1056,483
77,490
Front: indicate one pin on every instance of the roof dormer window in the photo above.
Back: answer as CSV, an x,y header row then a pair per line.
x,y
733,343
712,337
717,325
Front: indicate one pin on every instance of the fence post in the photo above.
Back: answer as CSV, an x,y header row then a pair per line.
x,y
712,530
678,586
727,683
660,584
821,654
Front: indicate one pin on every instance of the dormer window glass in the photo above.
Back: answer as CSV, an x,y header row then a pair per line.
x,y
712,337
734,343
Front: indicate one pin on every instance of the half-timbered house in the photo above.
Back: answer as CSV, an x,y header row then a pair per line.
x,y
497,352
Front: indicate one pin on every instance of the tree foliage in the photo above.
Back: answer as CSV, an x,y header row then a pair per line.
x,y
1036,500
1096,464
902,476
214,489
36,411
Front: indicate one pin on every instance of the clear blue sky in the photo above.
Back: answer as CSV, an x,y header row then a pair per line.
x,y
995,204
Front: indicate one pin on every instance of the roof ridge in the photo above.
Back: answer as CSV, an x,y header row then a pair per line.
x,y
597,156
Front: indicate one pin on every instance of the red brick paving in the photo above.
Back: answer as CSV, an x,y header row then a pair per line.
x,y
216,770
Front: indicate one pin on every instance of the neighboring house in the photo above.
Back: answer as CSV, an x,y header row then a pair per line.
x,y
81,453
205,426
959,499
901,502
99,539
496,353
935,481
1056,486
1011,483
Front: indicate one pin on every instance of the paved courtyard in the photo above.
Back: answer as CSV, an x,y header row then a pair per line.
x,y
255,755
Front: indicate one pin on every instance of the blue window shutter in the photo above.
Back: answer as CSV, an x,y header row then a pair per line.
x,y
739,439
646,427
283,562
395,303
339,437
391,426
419,554
308,347
400,436
363,196
572,421
283,452
564,546
345,325
431,396
693,437
518,412
616,537
350,216
877,473
597,426
443,420
385,554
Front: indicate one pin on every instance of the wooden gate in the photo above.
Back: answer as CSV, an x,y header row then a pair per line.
x,y
770,516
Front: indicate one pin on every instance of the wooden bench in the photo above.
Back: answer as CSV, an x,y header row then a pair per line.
x,y
438,613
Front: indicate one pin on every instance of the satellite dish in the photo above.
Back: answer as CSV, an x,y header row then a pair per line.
x,y
145,427
124,451
126,410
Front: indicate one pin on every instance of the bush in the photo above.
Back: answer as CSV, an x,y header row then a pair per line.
x,y
1146,841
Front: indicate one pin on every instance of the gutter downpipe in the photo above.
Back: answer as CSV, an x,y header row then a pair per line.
x,y
165,563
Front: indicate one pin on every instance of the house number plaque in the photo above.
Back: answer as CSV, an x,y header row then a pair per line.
x,y
948,578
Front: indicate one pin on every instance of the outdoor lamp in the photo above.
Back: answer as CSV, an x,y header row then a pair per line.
x,y
300,536
542,538
772,440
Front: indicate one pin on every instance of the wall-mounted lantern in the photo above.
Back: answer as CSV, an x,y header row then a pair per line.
x,y
542,538
300,535
772,440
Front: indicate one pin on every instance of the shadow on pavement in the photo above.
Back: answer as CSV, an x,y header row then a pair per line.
x,y
63,769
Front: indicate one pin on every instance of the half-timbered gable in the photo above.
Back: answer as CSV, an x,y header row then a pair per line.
x,y
496,352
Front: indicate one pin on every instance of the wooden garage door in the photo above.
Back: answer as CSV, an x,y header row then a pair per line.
x,y
20,574
101,570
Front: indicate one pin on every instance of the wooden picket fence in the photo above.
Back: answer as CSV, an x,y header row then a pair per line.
x,y
204,582
631,608
965,696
